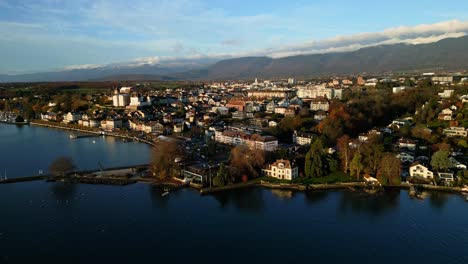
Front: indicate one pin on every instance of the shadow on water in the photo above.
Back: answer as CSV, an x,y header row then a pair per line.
x,y
374,205
437,200
63,191
315,197
158,201
248,200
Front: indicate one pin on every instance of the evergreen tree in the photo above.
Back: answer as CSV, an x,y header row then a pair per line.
x,y
315,160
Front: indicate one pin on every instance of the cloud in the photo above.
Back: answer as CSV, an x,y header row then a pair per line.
x,y
82,67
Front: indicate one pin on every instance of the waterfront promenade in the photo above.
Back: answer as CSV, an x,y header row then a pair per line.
x,y
96,132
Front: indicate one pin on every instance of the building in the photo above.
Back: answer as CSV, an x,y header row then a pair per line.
x,y
455,132
407,144
445,176
419,170
126,90
311,92
71,117
442,79
111,124
445,115
270,93
361,81
237,104
139,101
446,94
398,89
303,139
320,104
122,98
291,81
282,169
255,141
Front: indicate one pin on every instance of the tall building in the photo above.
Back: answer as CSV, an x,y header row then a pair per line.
x,y
120,100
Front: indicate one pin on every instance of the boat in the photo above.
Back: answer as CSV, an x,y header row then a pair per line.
x,y
94,141
465,189
73,136
164,193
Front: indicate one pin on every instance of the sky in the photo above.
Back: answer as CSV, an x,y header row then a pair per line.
x,y
45,35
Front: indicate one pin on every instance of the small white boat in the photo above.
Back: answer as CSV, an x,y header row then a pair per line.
x,y
465,189
164,193
94,141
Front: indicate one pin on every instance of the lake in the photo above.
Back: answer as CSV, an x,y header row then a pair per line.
x,y
78,223
24,150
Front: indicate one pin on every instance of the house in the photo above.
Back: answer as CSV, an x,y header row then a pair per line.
x,y
446,94
111,124
407,143
272,123
301,138
178,128
405,157
320,115
282,169
71,117
445,176
239,115
419,170
455,132
445,115
320,104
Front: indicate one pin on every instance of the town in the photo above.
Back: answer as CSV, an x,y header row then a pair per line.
x,y
374,129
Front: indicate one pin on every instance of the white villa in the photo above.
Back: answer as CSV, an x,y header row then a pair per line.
x,y
419,170
282,169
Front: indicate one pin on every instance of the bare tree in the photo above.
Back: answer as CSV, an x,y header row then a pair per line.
x,y
164,157
61,166
247,161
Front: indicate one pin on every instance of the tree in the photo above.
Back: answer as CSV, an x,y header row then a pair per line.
x,y
246,161
389,170
440,160
315,160
221,178
371,156
164,157
19,119
61,166
356,165
344,151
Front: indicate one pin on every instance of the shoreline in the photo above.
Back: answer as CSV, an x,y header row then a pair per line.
x,y
35,123
116,180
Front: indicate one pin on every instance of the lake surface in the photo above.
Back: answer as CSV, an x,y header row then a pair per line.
x,y
24,150
62,223
59,223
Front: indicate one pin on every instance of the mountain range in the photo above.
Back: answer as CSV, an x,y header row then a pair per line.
x,y
447,54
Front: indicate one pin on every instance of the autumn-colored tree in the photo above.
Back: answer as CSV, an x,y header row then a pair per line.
x,y
164,157
334,125
61,166
389,170
371,156
344,151
246,161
